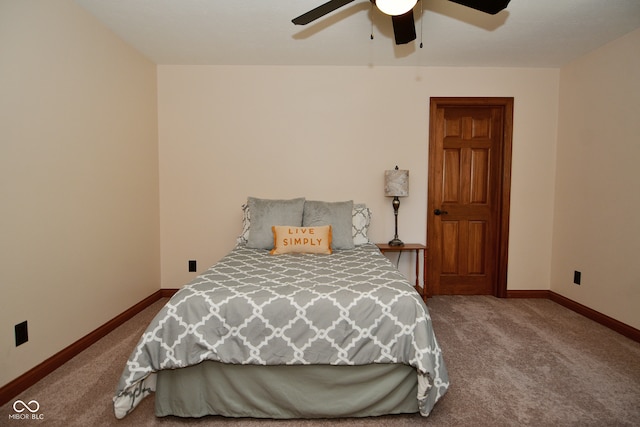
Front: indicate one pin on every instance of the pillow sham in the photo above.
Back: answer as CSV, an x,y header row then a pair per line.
x,y
339,215
243,238
265,213
307,240
361,221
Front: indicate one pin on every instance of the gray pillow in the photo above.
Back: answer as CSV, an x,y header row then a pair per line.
x,y
266,213
336,214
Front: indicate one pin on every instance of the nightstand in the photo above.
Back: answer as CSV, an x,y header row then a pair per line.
x,y
422,290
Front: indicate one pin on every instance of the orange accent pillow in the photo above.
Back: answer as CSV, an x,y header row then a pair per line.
x,y
308,240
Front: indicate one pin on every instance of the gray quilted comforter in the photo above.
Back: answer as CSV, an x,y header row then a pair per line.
x,y
352,307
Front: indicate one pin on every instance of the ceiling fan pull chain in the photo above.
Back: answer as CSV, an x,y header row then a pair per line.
x,y
421,19
372,18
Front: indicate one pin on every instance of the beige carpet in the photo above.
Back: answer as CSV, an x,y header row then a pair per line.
x,y
511,362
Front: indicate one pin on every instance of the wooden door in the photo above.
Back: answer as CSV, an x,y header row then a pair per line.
x,y
468,200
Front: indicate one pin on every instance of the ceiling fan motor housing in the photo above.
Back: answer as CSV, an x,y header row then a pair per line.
x,y
404,28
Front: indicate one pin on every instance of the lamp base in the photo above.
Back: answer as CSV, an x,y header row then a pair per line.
x,y
396,242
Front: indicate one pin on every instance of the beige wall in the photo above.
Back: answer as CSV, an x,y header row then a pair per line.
x,y
85,164
78,178
328,133
596,227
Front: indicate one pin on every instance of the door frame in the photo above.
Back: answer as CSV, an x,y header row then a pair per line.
x,y
504,199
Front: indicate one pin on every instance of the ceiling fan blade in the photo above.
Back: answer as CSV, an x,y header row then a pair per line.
x,y
319,11
404,27
487,6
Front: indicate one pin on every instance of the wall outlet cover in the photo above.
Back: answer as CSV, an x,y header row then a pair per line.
x,y
22,333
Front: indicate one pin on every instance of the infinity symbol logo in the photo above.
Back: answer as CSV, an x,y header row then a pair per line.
x,y
26,406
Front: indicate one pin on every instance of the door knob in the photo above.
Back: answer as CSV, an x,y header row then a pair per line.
x,y
439,212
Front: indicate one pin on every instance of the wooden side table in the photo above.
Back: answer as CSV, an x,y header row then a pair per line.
x,y
417,247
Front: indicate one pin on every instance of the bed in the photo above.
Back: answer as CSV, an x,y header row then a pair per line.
x,y
304,318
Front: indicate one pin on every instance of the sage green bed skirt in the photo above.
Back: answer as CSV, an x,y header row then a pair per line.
x,y
316,391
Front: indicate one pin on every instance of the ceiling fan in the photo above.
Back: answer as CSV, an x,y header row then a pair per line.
x,y
401,12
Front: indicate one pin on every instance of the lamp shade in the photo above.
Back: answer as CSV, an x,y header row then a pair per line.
x,y
395,7
396,183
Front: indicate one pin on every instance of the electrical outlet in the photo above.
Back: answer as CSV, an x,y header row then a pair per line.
x,y
22,333
577,276
192,266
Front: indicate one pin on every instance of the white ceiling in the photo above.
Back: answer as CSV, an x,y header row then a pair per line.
x,y
529,33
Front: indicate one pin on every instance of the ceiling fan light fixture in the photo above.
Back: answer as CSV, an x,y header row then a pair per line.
x,y
395,7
